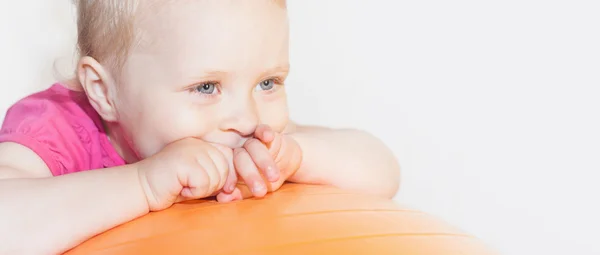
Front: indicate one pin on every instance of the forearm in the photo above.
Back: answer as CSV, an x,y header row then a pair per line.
x,y
347,159
54,214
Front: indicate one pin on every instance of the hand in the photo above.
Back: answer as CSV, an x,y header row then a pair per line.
x,y
184,170
264,163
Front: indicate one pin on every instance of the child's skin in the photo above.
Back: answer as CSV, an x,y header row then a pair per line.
x,y
198,106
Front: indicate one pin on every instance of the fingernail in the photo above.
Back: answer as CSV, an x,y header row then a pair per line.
x,y
232,188
258,187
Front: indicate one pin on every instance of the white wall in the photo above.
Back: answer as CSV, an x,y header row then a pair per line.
x,y
491,106
37,41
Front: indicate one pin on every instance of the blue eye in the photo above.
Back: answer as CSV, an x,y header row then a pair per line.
x,y
266,85
206,88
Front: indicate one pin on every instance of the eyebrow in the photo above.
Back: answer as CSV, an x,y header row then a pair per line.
x,y
277,69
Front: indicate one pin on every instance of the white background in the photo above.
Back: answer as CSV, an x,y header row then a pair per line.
x,y
491,106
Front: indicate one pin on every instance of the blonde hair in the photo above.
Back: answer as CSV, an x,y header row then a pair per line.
x,y
105,30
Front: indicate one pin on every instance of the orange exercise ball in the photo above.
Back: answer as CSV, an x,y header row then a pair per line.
x,y
297,219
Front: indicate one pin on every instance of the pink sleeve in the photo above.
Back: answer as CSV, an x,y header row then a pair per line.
x,y
41,126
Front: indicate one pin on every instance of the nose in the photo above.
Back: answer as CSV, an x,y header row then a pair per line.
x,y
241,119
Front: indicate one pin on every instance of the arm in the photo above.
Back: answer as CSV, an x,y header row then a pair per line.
x,y
348,159
49,215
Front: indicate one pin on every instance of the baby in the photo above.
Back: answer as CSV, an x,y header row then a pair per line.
x,y
172,101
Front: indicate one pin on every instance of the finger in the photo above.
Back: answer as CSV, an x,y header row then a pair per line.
x,y
226,151
231,179
262,158
181,198
187,194
198,180
275,146
219,156
248,172
244,191
237,195
226,198
264,133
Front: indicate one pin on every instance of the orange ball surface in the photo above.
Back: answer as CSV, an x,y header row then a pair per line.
x,y
297,219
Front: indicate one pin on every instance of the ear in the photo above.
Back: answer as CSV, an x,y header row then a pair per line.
x,y
98,86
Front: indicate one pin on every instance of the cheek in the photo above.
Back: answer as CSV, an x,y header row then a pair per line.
x,y
140,124
273,111
152,124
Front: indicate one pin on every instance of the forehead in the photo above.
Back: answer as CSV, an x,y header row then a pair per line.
x,y
215,34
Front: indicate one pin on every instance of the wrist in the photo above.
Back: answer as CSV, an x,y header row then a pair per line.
x,y
142,186
293,159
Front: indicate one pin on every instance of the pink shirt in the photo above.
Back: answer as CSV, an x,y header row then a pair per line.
x,y
61,127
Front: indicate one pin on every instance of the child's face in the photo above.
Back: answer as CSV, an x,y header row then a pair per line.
x,y
206,69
